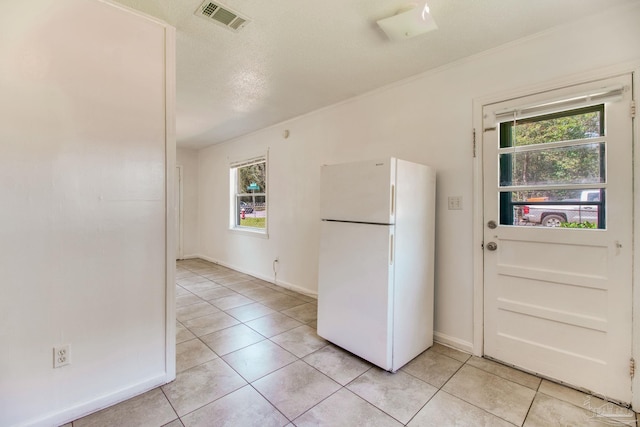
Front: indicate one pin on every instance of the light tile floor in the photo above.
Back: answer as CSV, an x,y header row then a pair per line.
x,y
248,355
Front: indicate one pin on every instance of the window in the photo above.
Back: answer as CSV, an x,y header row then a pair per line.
x,y
552,170
249,195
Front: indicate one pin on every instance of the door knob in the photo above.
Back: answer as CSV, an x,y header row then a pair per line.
x,y
492,246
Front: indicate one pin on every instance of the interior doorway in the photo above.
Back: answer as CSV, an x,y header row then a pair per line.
x,y
178,212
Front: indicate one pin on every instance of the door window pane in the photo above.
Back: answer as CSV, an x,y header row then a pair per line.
x,y
577,164
565,126
557,208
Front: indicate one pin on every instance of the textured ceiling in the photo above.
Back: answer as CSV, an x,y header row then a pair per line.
x,y
297,56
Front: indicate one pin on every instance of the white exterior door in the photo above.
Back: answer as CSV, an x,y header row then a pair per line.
x,y
557,294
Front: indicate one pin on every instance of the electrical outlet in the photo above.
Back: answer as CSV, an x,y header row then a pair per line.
x,y
61,356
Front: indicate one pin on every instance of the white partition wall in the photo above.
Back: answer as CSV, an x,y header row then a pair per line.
x,y
86,150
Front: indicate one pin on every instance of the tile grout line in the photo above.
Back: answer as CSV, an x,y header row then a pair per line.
x,y
170,404
268,401
438,389
300,359
232,308
214,400
473,404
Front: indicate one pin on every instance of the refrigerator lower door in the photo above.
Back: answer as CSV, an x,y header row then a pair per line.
x,y
355,289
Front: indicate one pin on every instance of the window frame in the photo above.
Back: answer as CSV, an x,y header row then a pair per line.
x,y
235,196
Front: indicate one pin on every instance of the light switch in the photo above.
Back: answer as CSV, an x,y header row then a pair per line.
x,y
455,203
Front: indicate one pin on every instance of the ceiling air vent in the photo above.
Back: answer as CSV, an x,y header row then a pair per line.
x,y
222,15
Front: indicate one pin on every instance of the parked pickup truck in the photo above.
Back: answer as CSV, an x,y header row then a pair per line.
x,y
554,215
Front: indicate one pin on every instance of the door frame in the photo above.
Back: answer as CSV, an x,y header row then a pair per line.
x,y
169,225
179,211
632,68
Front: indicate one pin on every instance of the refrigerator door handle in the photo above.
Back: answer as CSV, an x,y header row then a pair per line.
x,y
393,199
391,250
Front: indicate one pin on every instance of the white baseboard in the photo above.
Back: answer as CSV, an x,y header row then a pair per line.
x,y
280,283
453,342
88,407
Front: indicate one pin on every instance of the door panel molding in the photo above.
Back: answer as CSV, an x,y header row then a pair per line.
x,y
579,280
563,316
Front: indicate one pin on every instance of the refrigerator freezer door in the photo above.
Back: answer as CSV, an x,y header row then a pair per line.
x,y
355,289
359,192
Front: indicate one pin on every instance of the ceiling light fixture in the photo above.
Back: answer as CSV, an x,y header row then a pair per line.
x,y
408,22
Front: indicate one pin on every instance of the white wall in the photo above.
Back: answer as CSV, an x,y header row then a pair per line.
x,y
82,224
427,119
188,159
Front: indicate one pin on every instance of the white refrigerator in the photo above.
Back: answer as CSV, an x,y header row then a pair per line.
x,y
375,282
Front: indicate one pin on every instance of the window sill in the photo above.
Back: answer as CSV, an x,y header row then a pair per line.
x,y
247,231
